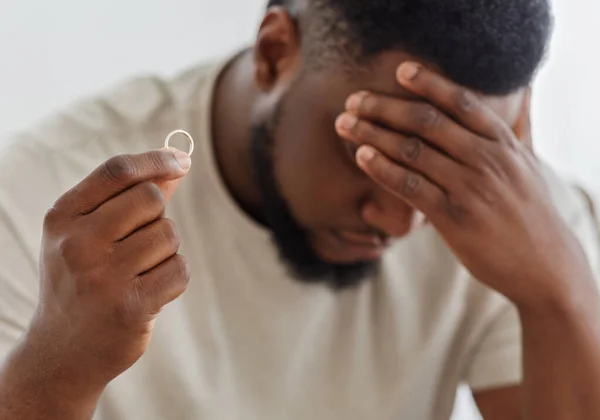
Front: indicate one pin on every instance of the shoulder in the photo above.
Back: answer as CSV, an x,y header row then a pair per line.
x,y
143,104
567,195
579,207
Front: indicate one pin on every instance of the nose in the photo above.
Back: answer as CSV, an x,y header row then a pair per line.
x,y
387,213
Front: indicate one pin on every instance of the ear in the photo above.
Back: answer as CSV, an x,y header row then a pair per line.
x,y
522,127
277,49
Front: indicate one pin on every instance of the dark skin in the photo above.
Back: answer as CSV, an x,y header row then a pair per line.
x,y
464,160
482,189
491,176
332,193
109,264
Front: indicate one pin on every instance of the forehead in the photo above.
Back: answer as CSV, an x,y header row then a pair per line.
x,y
380,76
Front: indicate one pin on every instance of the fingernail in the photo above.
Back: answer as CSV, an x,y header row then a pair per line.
x,y
408,71
183,159
365,153
346,121
353,102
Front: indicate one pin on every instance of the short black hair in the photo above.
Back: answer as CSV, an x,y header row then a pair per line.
x,y
492,46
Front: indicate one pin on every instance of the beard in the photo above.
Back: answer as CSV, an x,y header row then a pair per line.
x,y
291,239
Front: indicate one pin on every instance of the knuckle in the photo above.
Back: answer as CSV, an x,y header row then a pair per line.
x,y
161,161
410,184
426,117
466,101
51,217
411,149
119,169
455,211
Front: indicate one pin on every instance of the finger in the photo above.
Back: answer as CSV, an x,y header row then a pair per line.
x,y
390,216
522,128
129,211
161,285
410,151
413,188
416,118
168,188
460,103
120,173
148,247
392,224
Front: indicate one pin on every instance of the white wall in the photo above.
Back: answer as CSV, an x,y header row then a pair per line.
x,y
567,92
53,51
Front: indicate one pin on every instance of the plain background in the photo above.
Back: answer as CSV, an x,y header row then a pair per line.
x,y
52,52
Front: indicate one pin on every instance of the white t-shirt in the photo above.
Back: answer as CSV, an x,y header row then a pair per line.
x,y
246,342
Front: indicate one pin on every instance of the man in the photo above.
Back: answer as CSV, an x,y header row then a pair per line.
x,y
314,291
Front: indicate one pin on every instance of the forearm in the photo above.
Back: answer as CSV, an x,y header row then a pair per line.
x,y
31,390
562,359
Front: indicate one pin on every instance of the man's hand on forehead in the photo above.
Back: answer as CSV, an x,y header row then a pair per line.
x,y
453,158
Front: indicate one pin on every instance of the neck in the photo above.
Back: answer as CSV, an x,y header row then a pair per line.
x,y
232,109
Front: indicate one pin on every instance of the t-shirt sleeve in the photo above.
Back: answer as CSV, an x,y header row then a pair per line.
x,y
18,281
496,358
496,361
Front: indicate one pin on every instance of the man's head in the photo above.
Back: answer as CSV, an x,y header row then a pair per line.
x,y
330,220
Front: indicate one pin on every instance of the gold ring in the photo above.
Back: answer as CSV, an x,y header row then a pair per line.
x,y
183,133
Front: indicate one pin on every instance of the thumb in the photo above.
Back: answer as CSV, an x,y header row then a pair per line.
x,y
168,187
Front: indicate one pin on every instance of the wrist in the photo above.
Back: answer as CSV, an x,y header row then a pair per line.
x,y
39,367
26,392
561,287
565,299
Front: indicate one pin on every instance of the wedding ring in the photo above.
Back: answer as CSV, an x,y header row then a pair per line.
x,y
183,133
